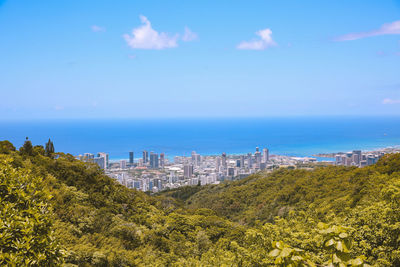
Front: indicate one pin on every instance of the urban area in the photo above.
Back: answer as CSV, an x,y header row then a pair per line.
x,y
155,172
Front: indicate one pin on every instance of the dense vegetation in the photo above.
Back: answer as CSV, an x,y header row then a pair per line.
x,y
56,210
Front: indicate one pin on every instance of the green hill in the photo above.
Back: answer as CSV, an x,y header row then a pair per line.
x,y
261,197
56,210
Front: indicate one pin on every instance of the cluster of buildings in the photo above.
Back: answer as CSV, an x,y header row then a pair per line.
x,y
358,158
155,172
101,159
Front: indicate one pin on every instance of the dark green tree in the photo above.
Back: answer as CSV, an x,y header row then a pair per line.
x,y
49,148
27,148
6,147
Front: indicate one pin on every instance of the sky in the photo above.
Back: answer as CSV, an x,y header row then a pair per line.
x,y
161,59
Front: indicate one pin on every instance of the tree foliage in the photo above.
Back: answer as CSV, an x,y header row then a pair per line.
x,y
49,150
26,236
335,216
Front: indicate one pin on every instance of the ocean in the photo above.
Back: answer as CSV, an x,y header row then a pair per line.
x,y
300,136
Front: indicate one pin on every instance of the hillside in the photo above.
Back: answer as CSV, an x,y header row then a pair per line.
x,y
292,202
98,222
56,210
261,197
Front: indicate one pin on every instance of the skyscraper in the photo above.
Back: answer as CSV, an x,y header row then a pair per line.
x,y
241,161
265,155
249,161
217,163
153,160
357,158
257,157
193,156
131,157
122,164
162,160
105,157
188,171
99,161
145,157
196,158
224,163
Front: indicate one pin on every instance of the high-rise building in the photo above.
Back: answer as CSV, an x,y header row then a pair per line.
x,y
122,164
153,160
99,161
249,160
257,157
338,159
188,171
145,157
131,157
357,158
217,163
105,157
371,159
196,158
241,161
193,157
162,160
224,163
265,155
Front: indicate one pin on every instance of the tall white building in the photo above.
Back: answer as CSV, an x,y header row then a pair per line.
x,y
249,161
224,163
265,155
188,171
105,158
217,164
122,164
162,160
241,161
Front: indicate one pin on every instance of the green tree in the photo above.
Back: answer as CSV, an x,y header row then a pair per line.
x,y
27,148
284,256
338,244
6,147
49,150
25,226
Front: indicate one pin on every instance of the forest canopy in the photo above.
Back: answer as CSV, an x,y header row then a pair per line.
x,y
56,210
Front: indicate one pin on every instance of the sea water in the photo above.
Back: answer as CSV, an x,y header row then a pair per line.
x,y
295,136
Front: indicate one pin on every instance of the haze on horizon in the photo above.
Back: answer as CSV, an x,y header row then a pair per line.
x,y
149,59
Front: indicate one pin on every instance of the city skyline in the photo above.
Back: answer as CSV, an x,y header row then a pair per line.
x,y
154,173
198,59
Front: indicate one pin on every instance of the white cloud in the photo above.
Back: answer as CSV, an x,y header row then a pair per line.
x,y
265,41
145,37
385,29
390,101
188,35
96,28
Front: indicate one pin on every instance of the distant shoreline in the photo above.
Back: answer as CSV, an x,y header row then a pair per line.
x,y
390,149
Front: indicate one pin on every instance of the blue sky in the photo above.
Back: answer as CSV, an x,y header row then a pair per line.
x,y
140,59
